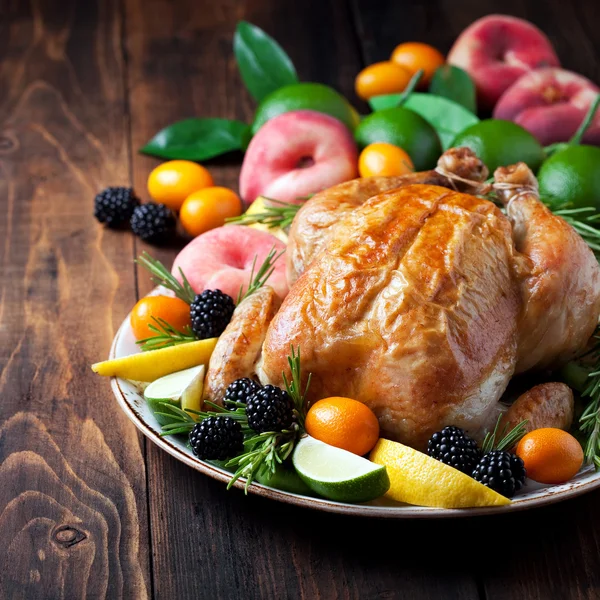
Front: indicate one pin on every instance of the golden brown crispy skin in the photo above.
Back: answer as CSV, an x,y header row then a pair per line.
x,y
311,226
410,308
545,405
559,276
239,346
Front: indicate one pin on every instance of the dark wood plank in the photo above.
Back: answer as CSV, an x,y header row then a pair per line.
x,y
73,516
206,541
553,552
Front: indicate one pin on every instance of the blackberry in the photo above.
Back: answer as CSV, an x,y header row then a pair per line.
x,y
239,391
454,447
211,312
114,205
270,409
154,223
501,471
217,438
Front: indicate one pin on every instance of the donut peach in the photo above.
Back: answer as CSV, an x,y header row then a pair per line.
x,y
222,259
297,154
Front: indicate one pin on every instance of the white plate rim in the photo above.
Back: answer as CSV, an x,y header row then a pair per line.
x,y
547,496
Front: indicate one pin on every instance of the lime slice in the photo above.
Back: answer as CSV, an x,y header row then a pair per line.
x,y
183,389
286,479
338,474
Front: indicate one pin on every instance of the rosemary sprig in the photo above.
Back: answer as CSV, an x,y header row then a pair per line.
x,y
262,451
277,214
293,387
589,422
165,335
262,275
160,275
506,440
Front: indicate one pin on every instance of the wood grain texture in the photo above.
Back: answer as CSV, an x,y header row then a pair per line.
x,y
72,480
552,552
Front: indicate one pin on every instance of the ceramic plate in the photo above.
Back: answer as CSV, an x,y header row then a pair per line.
x,y
131,400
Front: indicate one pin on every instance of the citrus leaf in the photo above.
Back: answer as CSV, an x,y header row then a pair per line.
x,y
197,139
455,84
385,101
447,117
264,65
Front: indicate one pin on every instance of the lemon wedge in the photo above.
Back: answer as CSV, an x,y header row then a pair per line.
x,y
150,365
416,478
258,206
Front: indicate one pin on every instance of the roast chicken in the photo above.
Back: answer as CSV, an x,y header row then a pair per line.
x,y
422,301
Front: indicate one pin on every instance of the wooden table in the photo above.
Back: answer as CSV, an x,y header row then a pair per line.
x,y
88,508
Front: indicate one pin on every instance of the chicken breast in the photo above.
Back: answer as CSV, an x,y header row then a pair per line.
x,y
411,308
458,168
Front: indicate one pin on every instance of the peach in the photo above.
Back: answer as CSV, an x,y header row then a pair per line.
x,y
551,104
222,258
297,154
496,50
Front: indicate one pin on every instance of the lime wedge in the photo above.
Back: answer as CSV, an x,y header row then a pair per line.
x,y
338,474
286,479
183,389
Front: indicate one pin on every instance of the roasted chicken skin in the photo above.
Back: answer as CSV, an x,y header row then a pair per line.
x,y
424,301
311,227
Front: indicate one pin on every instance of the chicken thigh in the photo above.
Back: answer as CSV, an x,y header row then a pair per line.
x,y
424,301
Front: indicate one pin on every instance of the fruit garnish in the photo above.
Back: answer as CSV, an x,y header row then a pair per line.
x,y
416,478
153,223
454,447
498,143
173,181
183,388
240,391
501,471
269,215
416,55
550,455
151,365
150,312
337,474
344,423
115,205
262,450
209,208
295,154
211,312
381,78
217,438
403,128
381,159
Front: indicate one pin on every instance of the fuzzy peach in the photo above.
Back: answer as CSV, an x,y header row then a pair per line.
x,y
297,154
496,50
551,104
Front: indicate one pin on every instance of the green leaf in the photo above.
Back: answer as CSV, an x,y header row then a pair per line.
x,y
263,63
447,117
197,139
455,84
385,101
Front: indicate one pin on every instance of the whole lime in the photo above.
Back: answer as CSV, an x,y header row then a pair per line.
x,y
501,143
305,96
404,128
572,176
